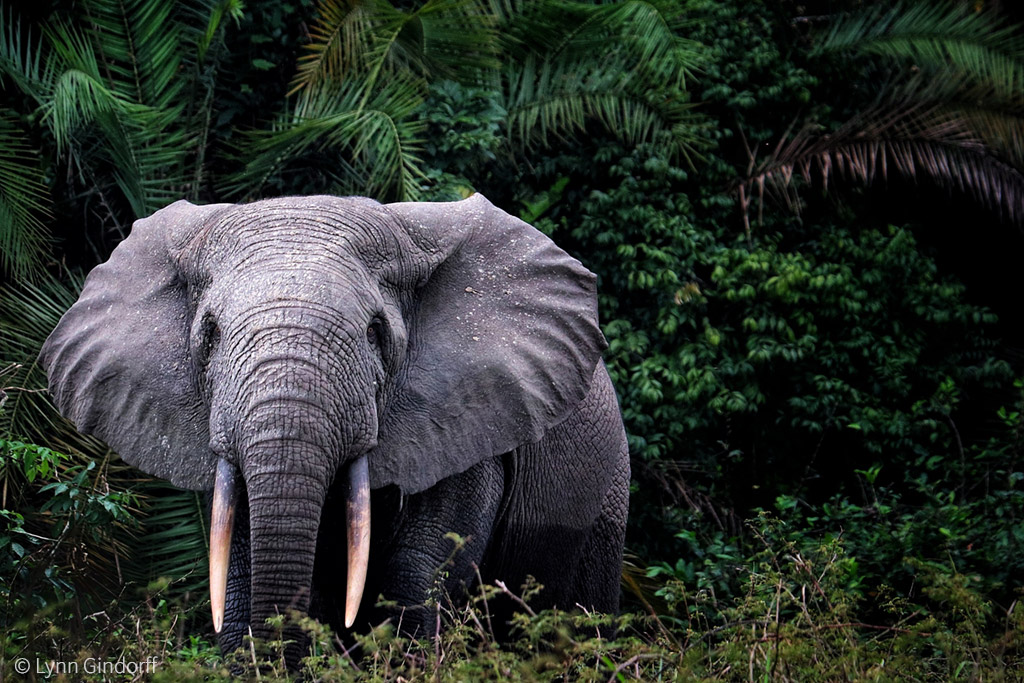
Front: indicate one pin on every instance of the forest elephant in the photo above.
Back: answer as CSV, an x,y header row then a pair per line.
x,y
354,380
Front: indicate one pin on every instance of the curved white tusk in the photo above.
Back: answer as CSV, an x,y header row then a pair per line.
x,y
222,521
358,510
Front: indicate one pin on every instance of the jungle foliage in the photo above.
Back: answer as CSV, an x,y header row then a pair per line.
x,y
803,216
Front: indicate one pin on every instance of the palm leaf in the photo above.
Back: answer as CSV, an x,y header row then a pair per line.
x,y
547,102
24,203
20,59
358,142
446,39
339,41
138,44
914,143
28,314
371,38
976,46
134,49
552,87
113,96
1001,132
644,37
953,119
173,541
995,120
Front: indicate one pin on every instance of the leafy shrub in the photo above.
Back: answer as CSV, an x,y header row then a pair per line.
x,y
465,134
795,621
51,512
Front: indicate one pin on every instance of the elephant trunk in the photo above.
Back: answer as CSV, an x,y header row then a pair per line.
x,y
284,518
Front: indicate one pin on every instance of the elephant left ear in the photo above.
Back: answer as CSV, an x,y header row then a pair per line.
x,y
503,343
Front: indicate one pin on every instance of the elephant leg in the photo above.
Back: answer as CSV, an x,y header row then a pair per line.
x,y
599,572
566,517
421,563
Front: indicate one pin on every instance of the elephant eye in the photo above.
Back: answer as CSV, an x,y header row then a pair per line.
x,y
209,336
375,335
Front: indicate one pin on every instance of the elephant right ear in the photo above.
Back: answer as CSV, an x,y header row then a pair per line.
x,y
118,361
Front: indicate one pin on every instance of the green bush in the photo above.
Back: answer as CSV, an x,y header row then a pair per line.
x,y
52,512
796,620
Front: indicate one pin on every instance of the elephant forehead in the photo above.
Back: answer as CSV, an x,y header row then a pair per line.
x,y
302,290
320,232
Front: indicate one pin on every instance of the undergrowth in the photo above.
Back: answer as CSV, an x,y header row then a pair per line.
x,y
800,618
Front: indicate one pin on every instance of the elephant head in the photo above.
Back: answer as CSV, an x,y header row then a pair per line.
x,y
278,344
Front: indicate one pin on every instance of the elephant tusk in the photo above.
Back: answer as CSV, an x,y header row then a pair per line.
x,y
222,520
358,510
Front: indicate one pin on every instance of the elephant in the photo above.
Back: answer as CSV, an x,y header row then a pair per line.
x,y
388,373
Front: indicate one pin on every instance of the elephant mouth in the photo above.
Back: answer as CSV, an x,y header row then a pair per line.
x,y
222,518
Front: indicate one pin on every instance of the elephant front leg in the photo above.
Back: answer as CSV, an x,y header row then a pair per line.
x,y
423,568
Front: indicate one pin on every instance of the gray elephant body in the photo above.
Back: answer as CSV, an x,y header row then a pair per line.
x,y
451,348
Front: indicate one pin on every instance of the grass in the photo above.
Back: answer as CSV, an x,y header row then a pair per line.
x,y
799,619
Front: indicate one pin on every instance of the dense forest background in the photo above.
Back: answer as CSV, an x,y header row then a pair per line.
x,y
806,221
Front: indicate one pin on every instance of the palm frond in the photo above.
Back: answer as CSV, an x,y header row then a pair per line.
x,y
338,42
138,44
1001,132
356,140
951,114
976,49
453,39
552,85
28,313
24,203
643,36
173,540
145,145
548,101
20,58
371,38
80,98
918,144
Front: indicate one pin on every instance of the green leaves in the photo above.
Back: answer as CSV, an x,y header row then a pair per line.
x,y
947,39
739,355
348,139
24,202
556,67
123,93
372,39
61,508
949,111
553,86
28,460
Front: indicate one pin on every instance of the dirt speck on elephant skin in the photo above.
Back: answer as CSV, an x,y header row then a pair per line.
x,y
353,381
